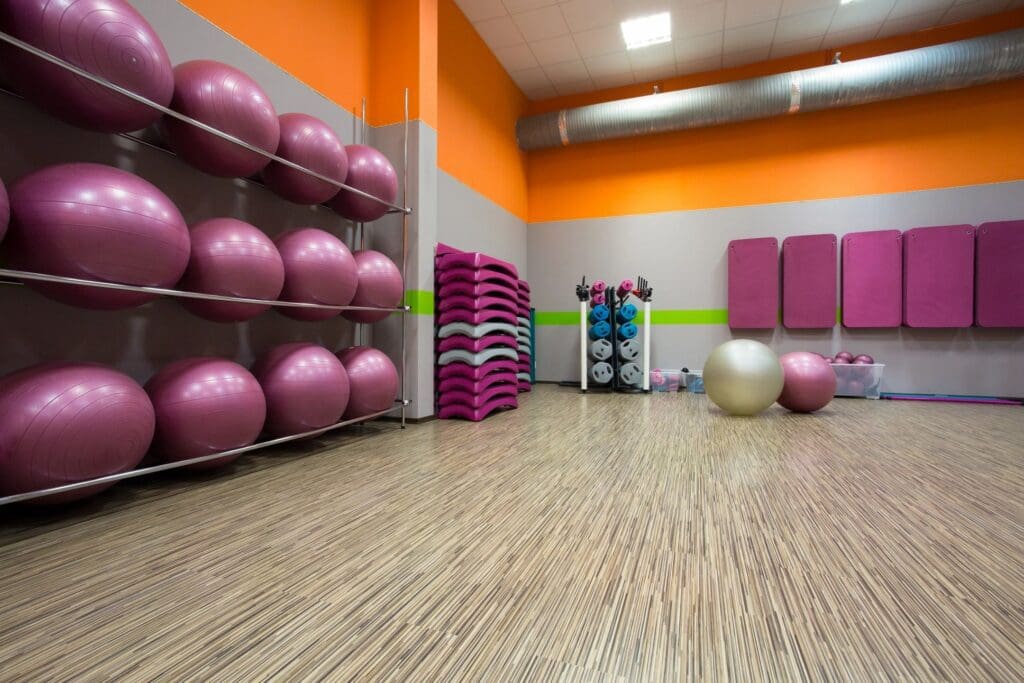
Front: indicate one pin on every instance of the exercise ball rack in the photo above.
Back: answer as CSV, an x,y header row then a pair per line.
x,y
16,277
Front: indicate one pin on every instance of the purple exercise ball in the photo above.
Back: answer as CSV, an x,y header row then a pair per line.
x,y
371,172
233,258
844,357
310,143
373,378
5,211
863,359
810,382
225,98
107,38
318,268
96,222
61,423
205,406
306,387
380,286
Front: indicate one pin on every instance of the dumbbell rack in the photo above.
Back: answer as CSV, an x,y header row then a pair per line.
x,y
613,302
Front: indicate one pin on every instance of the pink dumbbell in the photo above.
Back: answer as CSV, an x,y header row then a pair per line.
x,y
597,299
625,287
598,286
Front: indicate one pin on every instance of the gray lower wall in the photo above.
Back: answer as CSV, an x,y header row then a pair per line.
x,y
139,341
683,255
470,221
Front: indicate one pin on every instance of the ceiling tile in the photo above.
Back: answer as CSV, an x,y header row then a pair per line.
x,y
699,65
900,26
755,36
692,48
531,78
745,57
652,57
583,15
567,72
804,26
544,92
905,8
599,41
860,14
546,22
629,9
796,47
655,73
613,81
608,65
516,57
500,32
574,88
854,35
554,50
515,6
791,7
744,12
973,10
478,10
699,20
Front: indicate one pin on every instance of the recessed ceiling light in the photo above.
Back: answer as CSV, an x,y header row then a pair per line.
x,y
649,30
846,2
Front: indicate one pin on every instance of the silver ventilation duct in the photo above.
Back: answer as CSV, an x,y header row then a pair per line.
x,y
949,66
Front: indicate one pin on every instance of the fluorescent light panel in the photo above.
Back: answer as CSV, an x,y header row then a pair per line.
x,y
649,30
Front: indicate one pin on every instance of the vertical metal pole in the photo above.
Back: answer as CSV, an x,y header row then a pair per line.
x,y
583,346
647,346
405,244
359,239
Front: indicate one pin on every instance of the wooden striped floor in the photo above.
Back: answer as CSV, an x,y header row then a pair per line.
x,y
597,538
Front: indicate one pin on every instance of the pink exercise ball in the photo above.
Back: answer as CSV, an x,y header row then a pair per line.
x,y
232,258
371,172
310,143
810,382
62,423
5,211
318,269
844,357
205,406
863,359
373,378
96,222
306,387
107,38
380,286
225,98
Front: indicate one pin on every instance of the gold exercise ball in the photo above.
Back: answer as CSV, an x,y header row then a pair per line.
x,y
743,377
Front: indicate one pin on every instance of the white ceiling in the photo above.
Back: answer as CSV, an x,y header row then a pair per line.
x,y
562,47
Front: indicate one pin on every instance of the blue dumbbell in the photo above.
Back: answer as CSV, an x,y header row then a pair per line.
x,y
601,330
626,314
627,331
598,314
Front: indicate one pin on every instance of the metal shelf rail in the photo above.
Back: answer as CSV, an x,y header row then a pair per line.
x,y
400,405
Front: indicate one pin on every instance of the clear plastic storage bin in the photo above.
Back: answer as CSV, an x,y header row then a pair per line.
x,y
665,380
861,381
694,382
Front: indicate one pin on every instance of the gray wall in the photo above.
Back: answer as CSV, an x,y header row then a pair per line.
x,y
683,255
139,341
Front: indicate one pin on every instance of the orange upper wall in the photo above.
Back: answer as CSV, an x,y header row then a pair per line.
x,y
339,67
478,105
926,142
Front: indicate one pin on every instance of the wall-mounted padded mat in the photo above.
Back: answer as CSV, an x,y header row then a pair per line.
x,y
999,281
753,283
873,279
938,276
809,281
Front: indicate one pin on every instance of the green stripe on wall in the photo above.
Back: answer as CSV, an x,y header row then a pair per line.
x,y
557,318
420,301
696,316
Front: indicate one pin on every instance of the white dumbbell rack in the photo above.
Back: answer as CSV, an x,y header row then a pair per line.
x,y
613,302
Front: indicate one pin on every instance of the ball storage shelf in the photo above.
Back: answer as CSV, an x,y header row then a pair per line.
x,y
16,277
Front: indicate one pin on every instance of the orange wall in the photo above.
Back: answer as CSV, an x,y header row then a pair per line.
x,y
478,105
339,68
403,54
926,142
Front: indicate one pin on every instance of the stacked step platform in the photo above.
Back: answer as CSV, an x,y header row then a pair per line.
x,y
477,299
524,336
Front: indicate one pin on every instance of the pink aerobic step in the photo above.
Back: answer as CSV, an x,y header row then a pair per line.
x,y
471,303
477,289
470,275
477,261
525,385
467,385
477,414
476,373
475,345
476,400
461,315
